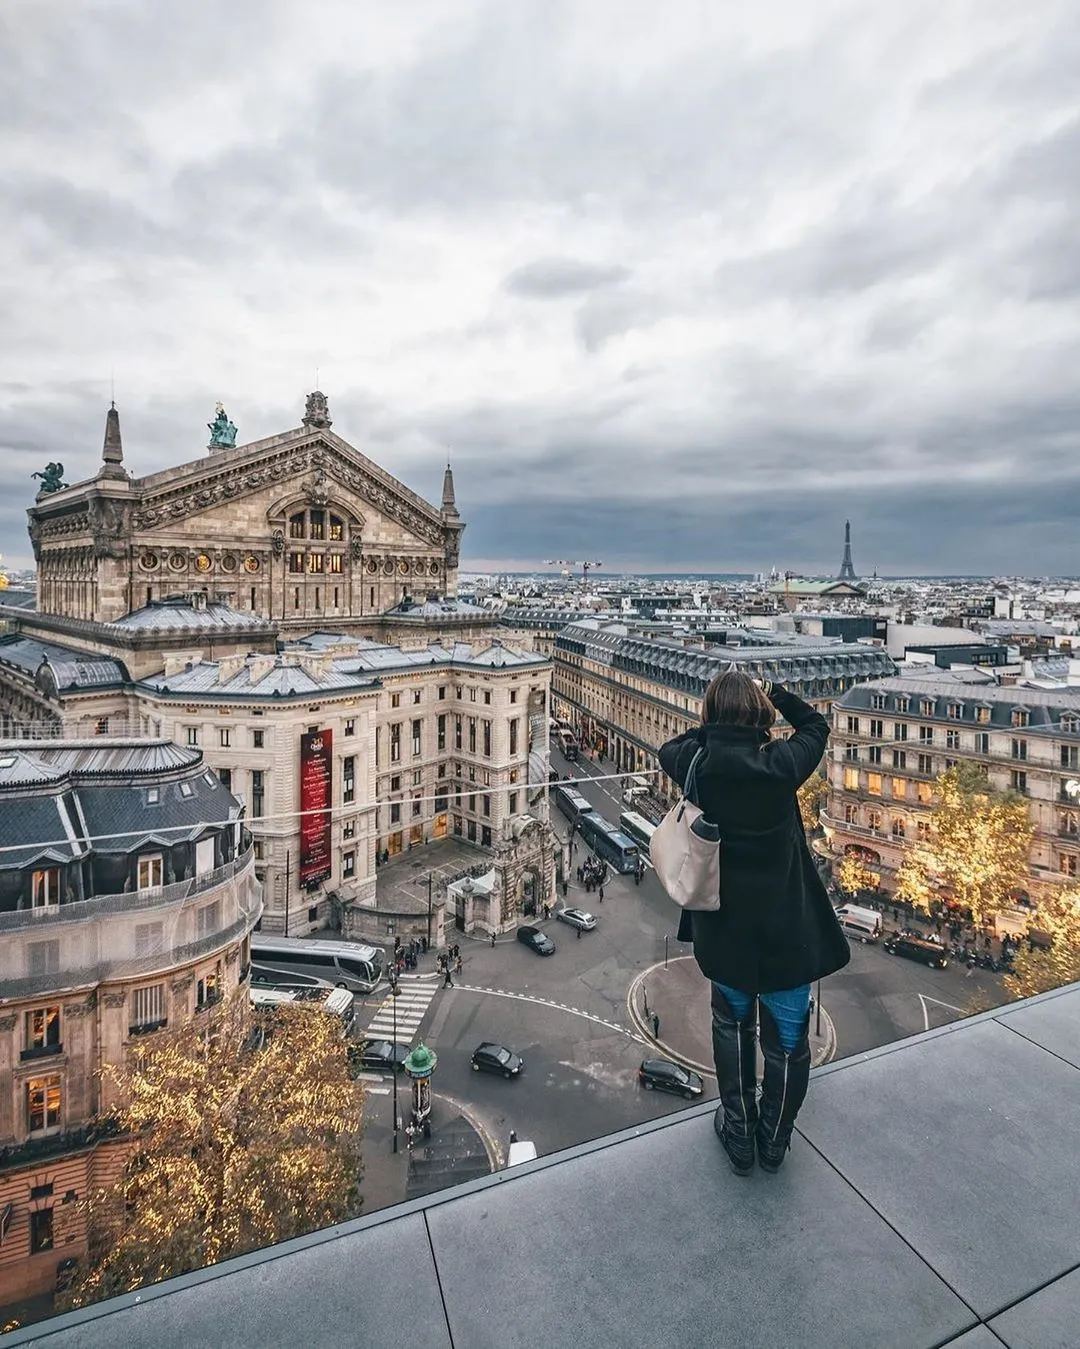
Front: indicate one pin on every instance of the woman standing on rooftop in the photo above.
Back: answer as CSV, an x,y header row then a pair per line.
x,y
775,931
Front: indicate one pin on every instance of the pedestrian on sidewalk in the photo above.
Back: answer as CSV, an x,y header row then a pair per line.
x,y
447,981
601,893
746,782
655,1026
578,930
493,941
565,887
459,965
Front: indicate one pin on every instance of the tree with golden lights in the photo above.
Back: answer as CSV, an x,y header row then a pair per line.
x,y
246,1132
811,797
853,875
977,849
1056,959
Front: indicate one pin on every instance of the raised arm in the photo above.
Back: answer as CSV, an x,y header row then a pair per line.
x,y
807,745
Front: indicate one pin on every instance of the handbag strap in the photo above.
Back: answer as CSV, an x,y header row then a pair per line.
x,y
690,788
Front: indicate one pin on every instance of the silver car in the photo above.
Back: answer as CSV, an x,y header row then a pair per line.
x,y
576,918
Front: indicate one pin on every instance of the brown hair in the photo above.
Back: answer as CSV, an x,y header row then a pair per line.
x,y
734,699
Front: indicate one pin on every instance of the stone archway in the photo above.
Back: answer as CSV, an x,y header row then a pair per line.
x,y
530,887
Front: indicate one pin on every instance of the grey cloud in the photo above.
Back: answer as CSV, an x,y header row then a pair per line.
x,y
556,278
824,263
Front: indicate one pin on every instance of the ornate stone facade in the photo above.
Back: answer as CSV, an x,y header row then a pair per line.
x,y
296,528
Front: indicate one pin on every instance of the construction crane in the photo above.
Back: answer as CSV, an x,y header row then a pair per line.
x,y
568,566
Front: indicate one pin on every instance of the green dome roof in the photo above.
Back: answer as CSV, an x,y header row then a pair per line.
x,y
421,1061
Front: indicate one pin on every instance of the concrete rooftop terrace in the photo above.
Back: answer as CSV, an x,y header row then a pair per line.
x,y
931,1198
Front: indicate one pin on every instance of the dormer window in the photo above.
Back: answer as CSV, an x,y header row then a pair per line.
x,y
982,715
1070,723
956,711
1021,716
927,707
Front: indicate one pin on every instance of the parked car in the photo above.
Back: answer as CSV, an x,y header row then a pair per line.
x,y
663,1075
536,940
492,1058
576,918
385,1054
916,948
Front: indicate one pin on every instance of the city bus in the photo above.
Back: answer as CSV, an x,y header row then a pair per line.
x,y
638,827
333,1001
607,842
346,964
572,804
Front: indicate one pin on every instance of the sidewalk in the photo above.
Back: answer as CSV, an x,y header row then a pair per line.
x,y
460,1148
679,996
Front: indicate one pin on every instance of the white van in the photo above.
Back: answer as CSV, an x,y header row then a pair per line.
x,y
863,924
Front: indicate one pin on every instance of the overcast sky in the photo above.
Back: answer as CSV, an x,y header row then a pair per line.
x,y
673,284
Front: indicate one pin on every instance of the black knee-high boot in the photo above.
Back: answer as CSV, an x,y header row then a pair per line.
x,y
735,1053
783,1091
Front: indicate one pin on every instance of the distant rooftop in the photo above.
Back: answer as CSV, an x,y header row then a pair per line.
x,y
929,1200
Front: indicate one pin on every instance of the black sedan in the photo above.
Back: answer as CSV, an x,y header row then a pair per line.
x,y
663,1075
536,940
492,1058
384,1054
916,948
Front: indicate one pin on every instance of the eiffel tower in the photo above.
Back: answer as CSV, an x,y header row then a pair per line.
x,y
847,569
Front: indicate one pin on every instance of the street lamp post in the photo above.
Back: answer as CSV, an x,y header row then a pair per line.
x,y
429,878
393,1052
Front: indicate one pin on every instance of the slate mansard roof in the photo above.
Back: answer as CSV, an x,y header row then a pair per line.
x,y
70,668
289,674
56,798
668,660
1045,707
180,615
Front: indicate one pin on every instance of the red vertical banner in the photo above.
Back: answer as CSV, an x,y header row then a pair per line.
x,y
316,799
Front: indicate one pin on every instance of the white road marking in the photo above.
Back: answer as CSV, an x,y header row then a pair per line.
x,y
924,998
547,1002
412,1005
378,1091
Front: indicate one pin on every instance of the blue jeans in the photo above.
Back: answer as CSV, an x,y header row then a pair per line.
x,y
789,1009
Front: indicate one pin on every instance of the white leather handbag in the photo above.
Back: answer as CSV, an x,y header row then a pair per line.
x,y
685,850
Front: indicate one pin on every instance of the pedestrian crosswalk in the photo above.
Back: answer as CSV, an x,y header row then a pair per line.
x,y
412,1002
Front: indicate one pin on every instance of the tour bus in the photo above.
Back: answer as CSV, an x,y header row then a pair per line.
x,y
638,827
863,924
333,1001
607,842
346,964
572,804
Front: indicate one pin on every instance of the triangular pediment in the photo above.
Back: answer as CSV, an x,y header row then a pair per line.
x,y
285,464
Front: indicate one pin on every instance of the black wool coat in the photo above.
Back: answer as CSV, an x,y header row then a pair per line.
x,y
776,927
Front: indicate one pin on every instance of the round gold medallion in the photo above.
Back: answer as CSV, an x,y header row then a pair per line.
x,y
203,562
251,564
